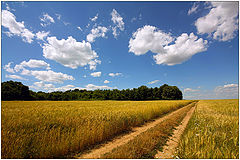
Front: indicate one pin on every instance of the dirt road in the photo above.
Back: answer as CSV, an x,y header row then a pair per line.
x,y
172,143
121,140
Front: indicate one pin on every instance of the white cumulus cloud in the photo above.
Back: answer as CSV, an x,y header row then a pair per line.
x,y
96,74
14,77
8,68
16,28
93,64
152,82
51,88
46,20
106,81
94,87
70,53
221,22
42,86
183,49
42,35
25,72
51,76
148,38
32,63
228,91
114,74
58,16
63,88
94,18
96,32
193,9
79,28
190,90
118,23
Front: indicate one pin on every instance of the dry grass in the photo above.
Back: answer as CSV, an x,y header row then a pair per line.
x,y
46,129
146,144
212,132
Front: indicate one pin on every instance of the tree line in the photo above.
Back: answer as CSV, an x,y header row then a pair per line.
x,y
12,90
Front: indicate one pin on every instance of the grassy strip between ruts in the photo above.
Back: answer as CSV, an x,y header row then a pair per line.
x,y
146,144
212,132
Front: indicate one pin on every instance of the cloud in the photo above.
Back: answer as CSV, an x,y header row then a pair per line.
x,y
193,9
25,72
45,76
79,28
148,38
190,90
94,87
51,88
93,64
16,28
118,22
32,63
114,74
58,16
46,20
183,49
94,18
96,32
227,91
230,86
70,53
42,86
51,20
106,81
51,76
152,82
64,88
8,68
87,26
42,35
96,74
14,77
7,7
221,22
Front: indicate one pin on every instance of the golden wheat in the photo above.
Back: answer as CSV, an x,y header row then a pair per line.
x,y
47,129
212,132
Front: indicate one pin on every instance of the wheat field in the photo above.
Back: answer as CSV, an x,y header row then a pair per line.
x,y
54,129
213,131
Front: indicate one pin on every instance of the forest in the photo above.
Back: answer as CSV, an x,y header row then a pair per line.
x,y
12,90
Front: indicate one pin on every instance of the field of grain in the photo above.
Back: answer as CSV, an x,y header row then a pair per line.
x,y
147,144
47,129
212,132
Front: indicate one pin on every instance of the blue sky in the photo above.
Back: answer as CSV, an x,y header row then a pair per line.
x,y
52,46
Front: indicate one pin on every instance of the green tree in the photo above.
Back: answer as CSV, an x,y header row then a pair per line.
x,y
171,93
15,91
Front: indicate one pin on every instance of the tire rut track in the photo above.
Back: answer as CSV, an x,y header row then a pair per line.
x,y
171,145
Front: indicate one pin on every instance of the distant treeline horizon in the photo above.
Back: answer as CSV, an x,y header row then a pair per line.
x,y
13,90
